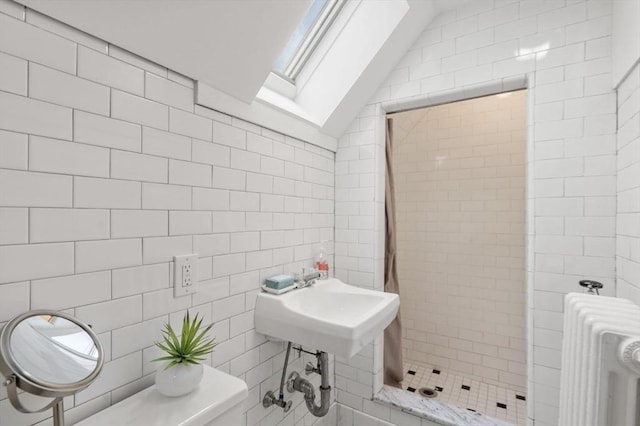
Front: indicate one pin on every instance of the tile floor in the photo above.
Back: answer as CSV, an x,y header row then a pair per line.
x,y
454,389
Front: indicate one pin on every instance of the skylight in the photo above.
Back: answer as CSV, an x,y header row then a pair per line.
x,y
306,37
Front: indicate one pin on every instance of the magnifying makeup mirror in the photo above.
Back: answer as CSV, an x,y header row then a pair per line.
x,y
49,354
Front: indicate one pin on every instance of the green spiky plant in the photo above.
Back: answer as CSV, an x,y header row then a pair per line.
x,y
190,348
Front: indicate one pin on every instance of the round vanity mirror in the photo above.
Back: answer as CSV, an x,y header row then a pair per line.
x,y
49,354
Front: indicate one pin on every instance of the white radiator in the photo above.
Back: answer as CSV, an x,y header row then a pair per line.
x,y
600,361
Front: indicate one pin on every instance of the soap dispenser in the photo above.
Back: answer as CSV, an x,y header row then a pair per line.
x,y
322,264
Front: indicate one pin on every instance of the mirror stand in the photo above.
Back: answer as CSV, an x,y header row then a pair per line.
x,y
57,404
48,354
58,412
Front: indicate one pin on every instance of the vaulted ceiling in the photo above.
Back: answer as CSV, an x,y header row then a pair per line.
x,y
230,46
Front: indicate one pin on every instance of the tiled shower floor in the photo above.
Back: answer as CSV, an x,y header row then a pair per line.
x,y
454,389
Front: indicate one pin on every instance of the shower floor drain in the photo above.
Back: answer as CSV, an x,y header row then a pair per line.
x,y
428,392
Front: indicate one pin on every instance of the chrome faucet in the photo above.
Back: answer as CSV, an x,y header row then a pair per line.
x,y
308,279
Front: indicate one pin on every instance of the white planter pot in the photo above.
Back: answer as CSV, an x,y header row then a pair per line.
x,y
179,379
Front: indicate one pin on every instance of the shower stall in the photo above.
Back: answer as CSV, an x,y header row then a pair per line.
x,y
459,173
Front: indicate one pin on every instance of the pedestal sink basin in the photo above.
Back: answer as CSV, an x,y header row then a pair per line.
x,y
329,315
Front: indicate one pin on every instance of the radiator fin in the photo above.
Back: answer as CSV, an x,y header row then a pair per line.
x,y
600,361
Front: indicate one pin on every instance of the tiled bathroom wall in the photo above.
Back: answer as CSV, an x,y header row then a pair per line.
x,y
628,187
561,51
79,115
459,173
107,171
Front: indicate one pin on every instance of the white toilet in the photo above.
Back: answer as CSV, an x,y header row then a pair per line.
x,y
217,402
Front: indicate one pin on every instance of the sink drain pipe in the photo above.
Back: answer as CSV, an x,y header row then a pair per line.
x,y
297,383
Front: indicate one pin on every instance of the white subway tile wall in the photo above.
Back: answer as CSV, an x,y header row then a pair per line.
x,y
628,187
460,211
109,99
562,50
108,170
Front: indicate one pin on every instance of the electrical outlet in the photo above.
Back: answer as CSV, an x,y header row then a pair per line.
x,y
186,275
185,270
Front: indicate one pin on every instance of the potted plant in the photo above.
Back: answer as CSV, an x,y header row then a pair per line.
x,y
182,371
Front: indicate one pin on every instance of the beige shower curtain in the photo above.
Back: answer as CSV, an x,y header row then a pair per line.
x,y
393,371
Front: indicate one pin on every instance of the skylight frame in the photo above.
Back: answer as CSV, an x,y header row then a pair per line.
x,y
311,40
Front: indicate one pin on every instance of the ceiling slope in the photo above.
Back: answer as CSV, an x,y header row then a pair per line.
x,y
228,44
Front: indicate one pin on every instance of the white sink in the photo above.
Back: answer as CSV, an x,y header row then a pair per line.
x,y
329,315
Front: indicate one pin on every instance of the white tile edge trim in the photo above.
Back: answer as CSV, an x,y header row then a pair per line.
x,y
458,94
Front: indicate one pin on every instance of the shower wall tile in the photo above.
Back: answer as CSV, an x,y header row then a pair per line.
x,y
114,170
460,212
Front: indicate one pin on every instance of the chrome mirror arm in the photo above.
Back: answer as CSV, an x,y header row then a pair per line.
x,y
12,394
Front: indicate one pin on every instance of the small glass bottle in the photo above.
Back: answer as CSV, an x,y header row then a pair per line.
x,y
322,264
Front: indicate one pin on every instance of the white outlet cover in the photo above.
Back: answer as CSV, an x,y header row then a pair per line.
x,y
185,274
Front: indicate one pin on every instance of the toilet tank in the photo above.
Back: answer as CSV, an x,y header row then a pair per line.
x,y
218,401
